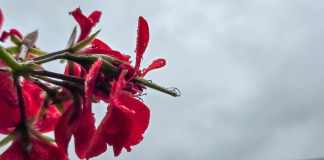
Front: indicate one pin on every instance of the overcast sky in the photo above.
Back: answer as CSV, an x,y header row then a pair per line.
x,y
251,72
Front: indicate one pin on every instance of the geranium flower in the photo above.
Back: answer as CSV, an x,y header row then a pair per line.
x,y
125,122
85,23
12,32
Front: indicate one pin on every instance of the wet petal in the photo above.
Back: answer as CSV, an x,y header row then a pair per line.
x,y
85,23
156,64
67,125
84,132
74,69
41,150
33,97
9,110
97,43
48,121
12,32
142,40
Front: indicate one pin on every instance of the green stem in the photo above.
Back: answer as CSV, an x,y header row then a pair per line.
x,y
6,140
172,92
49,55
9,60
67,84
58,76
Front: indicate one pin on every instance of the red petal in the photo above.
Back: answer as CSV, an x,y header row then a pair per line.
x,y
4,36
117,86
33,98
90,82
156,64
49,120
74,69
126,120
42,150
97,43
115,54
9,109
67,125
126,130
142,40
140,119
84,132
13,32
97,144
85,23
99,47
95,16
86,126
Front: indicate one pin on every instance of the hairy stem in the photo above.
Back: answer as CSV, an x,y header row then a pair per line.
x,y
58,76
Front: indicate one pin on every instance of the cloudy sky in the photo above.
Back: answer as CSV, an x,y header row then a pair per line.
x,y
250,71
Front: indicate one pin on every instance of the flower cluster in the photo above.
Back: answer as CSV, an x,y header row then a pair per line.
x,y
35,101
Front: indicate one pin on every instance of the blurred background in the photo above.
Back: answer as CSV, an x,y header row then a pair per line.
x,y
251,72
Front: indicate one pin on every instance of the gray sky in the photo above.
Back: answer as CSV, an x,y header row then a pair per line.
x,y
251,72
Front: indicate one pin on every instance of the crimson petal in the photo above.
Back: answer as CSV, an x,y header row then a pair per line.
x,y
97,43
12,32
142,40
67,126
9,110
49,120
33,98
86,126
42,150
85,23
124,130
156,64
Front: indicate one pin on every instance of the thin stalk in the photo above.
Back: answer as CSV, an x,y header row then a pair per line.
x,y
172,92
58,76
66,84
9,60
49,55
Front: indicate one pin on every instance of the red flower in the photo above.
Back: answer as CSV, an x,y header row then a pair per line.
x,y
124,123
85,23
12,32
35,150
